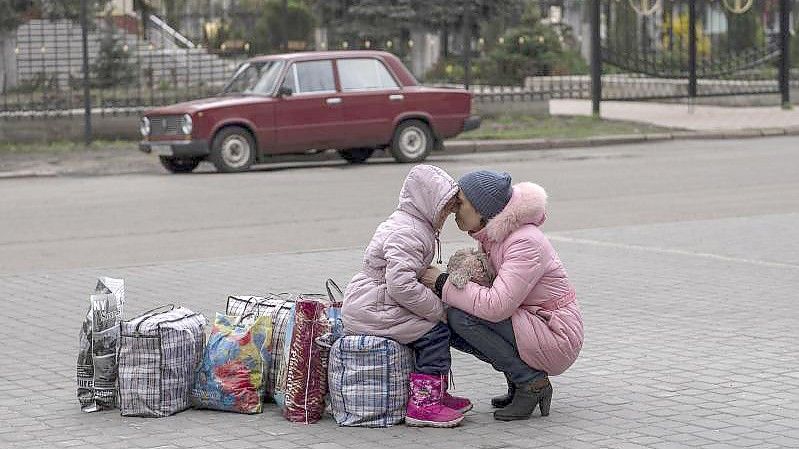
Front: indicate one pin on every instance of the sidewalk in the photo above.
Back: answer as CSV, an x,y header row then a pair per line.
x,y
690,342
688,117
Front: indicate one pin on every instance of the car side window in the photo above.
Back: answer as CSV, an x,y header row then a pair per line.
x,y
290,80
364,74
310,76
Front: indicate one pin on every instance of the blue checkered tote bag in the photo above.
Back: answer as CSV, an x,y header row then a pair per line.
x,y
158,353
368,381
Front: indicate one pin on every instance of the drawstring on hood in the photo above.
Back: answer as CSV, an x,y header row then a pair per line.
x,y
438,247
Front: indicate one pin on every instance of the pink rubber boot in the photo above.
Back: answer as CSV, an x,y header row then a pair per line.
x,y
458,403
424,405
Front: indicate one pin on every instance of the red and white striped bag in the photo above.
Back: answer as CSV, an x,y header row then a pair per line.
x,y
306,372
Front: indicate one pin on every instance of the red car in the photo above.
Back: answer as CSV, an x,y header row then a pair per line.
x,y
351,101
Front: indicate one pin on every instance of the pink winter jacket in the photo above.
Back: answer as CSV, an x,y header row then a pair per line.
x,y
531,287
386,297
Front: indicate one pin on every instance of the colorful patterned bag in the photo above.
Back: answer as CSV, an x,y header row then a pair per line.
x,y
233,371
369,381
306,377
280,308
158,354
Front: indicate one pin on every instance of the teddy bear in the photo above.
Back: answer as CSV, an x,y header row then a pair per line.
x,y
470,264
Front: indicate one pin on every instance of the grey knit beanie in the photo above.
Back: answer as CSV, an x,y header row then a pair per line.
x,y
488,191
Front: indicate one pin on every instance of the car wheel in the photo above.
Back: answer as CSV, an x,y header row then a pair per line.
x,y
356,155
413,140
233,150
179,165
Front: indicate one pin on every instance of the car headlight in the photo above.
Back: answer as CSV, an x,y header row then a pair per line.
x,y
186,124
144,127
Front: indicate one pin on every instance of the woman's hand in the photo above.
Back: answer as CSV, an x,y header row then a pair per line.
x,y
430,276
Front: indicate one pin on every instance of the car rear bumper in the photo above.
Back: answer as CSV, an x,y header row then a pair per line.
x,y
473,122
176,148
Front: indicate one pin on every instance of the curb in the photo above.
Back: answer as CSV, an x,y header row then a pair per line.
x,y
474,146
454,147
27,174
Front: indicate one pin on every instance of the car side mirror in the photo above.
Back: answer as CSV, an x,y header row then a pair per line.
x,y
284,91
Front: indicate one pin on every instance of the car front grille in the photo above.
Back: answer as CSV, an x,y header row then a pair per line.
x,y
165,125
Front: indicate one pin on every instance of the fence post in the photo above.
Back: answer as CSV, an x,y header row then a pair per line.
x,y
692,48
467,43
785,53
596,58
87,104
284,38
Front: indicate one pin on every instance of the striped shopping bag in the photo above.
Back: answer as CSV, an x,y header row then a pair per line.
x,y
316,321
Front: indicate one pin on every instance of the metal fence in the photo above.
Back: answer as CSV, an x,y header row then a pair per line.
x,y
138,58
694,48
132,63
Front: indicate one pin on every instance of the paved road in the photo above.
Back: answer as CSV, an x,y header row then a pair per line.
x,y
685,257
73,222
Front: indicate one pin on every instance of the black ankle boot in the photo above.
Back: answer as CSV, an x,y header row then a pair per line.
x,y
525,399
505,399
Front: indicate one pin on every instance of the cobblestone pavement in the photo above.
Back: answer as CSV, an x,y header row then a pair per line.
x,y
690,342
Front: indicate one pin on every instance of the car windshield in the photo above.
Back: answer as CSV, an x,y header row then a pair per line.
x,y
255,78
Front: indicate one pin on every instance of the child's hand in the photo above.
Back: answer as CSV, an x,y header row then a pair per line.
x,y
430,276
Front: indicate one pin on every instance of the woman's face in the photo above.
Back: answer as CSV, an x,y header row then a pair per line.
x,y
466,217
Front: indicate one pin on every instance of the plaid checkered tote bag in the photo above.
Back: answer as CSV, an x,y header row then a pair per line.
x,y
158,354
280,308
368,379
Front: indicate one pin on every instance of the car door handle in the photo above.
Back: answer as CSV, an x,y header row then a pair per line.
x,y
396,97
333,101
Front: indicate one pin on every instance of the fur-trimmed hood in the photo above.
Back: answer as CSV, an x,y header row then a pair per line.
x,y
527,205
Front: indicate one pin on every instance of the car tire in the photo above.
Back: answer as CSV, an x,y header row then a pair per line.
x,y
232,150
179,165
413,141
356,155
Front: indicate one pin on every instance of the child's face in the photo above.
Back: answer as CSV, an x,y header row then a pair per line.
x,y
467,217
450,208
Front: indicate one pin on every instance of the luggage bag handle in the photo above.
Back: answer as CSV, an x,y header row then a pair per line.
x,y
331,285
153,312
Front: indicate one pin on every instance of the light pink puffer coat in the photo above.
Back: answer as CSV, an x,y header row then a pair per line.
x,y
386,298
531,287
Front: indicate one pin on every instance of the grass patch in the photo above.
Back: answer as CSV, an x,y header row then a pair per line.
x,y
513,126
59,147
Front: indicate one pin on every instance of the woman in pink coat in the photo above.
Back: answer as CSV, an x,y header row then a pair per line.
x,y
528,324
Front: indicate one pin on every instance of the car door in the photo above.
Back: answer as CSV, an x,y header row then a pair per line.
x,y
371,99
310,117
